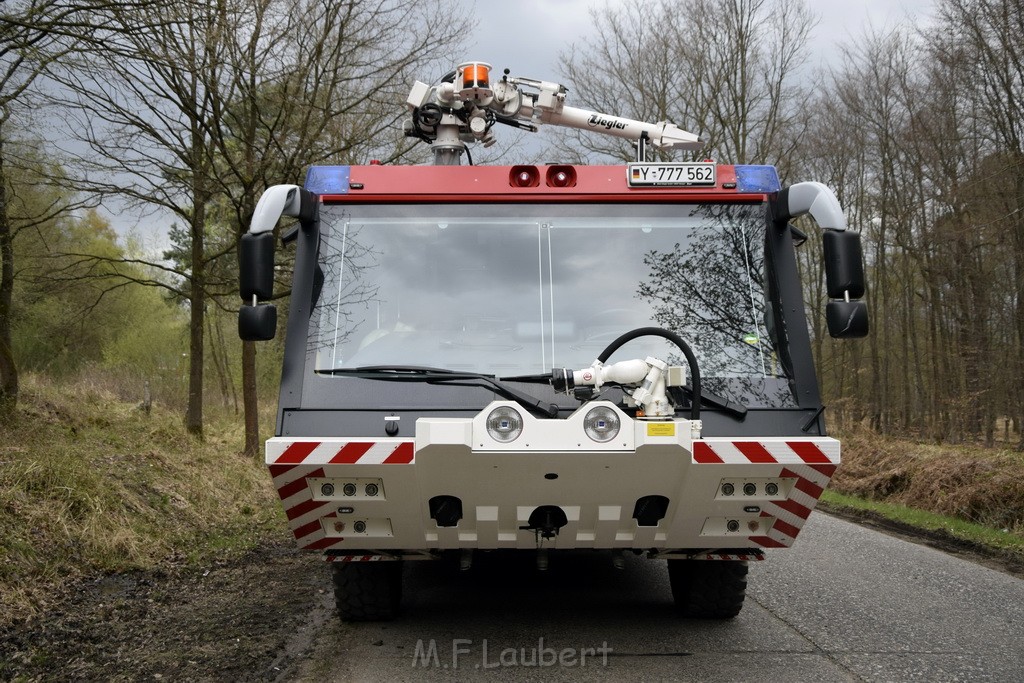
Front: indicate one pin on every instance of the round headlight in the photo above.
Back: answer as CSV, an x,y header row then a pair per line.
x,y
601,424
504,424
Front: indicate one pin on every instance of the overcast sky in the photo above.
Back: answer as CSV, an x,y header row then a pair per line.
x,y
527,36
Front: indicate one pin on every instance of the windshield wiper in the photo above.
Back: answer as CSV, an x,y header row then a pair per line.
x,y
401,369
412,373
544,378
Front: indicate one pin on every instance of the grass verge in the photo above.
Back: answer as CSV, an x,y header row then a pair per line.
x,y
91,484
967,482
964,495
998,539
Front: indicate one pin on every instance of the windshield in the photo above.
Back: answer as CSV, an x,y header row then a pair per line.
x,y
512,290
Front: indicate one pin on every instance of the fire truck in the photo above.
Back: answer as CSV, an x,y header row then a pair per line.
x,y
545,358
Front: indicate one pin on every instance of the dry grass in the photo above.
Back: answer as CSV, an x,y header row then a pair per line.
x,y
89,483
973,483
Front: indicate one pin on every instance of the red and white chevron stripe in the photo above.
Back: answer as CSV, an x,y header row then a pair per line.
x,y
790,514
292,461
303,512
812,462
359,558
296,452
752,556
820,451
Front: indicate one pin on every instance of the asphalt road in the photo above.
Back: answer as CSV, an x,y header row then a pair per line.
x,y
847,603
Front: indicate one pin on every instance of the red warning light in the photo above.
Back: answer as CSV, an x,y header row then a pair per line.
x,y
524,176
561,176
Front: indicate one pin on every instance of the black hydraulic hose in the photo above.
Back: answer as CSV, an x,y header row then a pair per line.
x,y
691,360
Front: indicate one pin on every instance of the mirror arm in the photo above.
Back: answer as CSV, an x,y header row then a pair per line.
x,y
813,198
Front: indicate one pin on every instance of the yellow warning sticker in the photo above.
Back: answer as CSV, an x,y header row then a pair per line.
x,y
661,429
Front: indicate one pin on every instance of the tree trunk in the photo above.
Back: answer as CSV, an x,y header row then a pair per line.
x,y
250,405
8,369
197,295
249,400
221,363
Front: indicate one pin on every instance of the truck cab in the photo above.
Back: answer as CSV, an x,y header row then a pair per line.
x,y
548,358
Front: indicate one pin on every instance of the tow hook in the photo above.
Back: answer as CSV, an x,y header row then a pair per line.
x,y
545,521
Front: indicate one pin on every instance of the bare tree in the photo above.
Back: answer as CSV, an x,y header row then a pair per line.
x,y
135,97
334,97
185,104
34,34
728,72
920,136
982,47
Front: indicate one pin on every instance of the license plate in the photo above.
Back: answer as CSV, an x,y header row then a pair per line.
x,y
670,175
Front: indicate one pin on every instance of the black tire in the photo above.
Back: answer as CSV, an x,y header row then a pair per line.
x,y
367,591
708,589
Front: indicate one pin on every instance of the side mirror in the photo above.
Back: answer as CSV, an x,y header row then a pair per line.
x,y
844,265
844,280
256,266
846,319
844,259
257,323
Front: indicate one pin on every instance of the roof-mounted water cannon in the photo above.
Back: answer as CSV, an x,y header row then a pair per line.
x,y
466,104
647,381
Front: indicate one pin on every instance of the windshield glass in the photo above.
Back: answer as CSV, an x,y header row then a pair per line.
x,y
513,290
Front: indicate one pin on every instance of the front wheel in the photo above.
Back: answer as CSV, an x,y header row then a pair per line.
x,y
708,589
367,591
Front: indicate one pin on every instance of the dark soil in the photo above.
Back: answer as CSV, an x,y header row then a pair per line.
x,y
244,619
